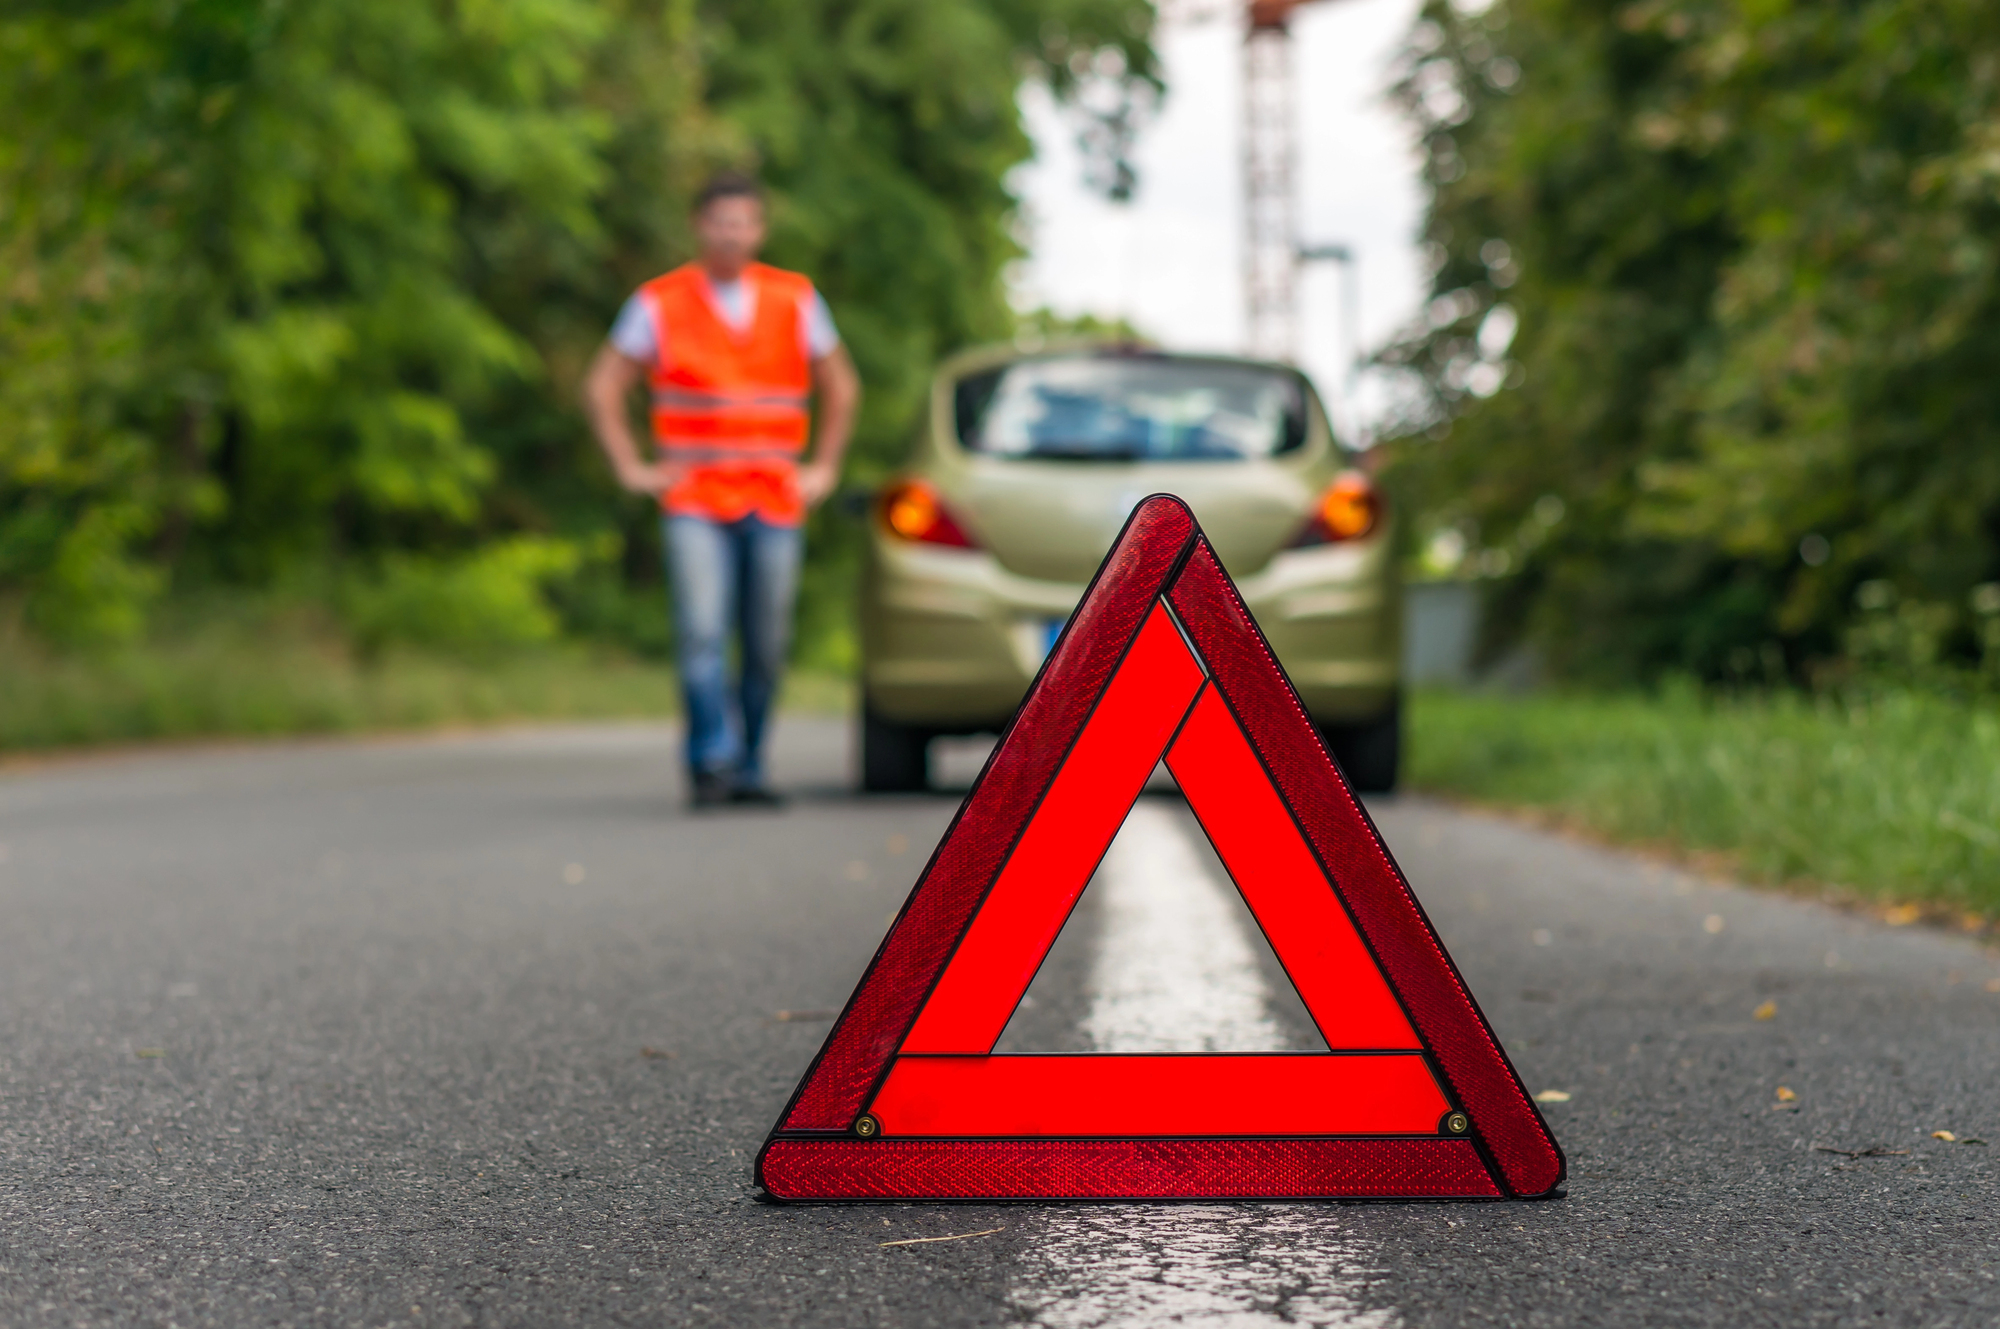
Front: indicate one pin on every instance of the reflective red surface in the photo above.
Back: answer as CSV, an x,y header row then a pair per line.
x,y
1006,794
1345,841
1283,883
1301,1093
1269,1169
1086,804
913,1047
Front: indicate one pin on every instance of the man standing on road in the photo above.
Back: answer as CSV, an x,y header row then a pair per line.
x,y
733,351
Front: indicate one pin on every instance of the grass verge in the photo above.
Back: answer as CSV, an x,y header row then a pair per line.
x,y
297,683
1889,798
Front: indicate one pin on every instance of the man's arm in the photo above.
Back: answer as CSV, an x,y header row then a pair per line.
x,y
606,389
838,389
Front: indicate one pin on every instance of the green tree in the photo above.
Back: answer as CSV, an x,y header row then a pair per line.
x,y
251,240
1748,256
297,292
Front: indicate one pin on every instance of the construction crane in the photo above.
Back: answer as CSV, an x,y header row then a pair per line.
x,y
1271,252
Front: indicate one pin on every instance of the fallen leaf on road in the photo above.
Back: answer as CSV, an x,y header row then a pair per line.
x,y
1768,1011
924,1241
1552,1096
149,1053
573,874
1902,915
1872,1151
1712,924
1946,1136
657,1054
1970,1140
1786,1096
795,1017
898,843
1993,985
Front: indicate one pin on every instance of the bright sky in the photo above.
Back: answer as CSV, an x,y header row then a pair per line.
x,y
1170,261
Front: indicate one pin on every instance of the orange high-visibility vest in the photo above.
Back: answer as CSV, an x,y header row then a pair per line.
x,y
732,403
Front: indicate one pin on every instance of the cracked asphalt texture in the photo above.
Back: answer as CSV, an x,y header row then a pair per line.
x,y
482,1030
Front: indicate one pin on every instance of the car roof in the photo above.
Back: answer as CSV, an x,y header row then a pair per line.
x,y
994,355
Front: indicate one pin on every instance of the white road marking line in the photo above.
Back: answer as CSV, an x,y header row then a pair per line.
x,y
1175,971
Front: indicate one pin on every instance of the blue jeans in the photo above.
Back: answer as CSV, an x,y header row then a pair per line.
x,y
741,573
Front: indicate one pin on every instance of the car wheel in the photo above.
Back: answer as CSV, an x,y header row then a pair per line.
x,y
1370,752
895,758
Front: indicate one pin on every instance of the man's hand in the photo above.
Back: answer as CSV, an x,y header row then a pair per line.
x,y
839,390
605,390
817,481
650,478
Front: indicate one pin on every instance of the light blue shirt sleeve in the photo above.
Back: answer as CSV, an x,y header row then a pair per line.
x,y
636,333
821,337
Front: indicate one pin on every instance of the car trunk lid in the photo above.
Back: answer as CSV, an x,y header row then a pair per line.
x,y
1054,520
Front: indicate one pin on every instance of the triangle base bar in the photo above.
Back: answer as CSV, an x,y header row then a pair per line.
x,y
1266,1168
1217,1093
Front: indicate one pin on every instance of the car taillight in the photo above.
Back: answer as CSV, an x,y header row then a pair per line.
x,y
913,510
1350,508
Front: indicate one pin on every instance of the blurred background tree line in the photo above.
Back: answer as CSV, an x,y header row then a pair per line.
x,y
295,294
1711,370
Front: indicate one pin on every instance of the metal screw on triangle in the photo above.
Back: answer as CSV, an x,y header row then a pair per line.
x,y
866,1126
1457,1123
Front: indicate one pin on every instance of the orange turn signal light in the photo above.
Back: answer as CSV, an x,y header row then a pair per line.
x,y
1350,508
913,510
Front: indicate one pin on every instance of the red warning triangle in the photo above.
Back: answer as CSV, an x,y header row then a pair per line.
x,y
1415,1097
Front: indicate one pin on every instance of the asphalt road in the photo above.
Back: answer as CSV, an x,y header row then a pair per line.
x,y
484,1030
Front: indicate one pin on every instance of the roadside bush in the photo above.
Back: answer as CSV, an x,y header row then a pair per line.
x,y
477,604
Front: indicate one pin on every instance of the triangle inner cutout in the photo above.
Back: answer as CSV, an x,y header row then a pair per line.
x,y
1161,954
908,1098
944,1080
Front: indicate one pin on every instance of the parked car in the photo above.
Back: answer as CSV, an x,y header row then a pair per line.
x,y
1025,471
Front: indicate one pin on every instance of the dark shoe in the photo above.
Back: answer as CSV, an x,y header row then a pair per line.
x,y
712,789
756,796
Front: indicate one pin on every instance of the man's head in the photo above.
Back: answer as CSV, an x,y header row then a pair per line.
x,y
729,223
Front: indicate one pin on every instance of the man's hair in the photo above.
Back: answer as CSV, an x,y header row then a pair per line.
x,y
728,184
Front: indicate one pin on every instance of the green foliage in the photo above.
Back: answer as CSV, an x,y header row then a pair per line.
x,y
295,678
1752,256
1894,795
238,663
273,221
1046,324
476,604
300,291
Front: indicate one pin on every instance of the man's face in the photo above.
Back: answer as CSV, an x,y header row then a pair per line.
x,y
730,231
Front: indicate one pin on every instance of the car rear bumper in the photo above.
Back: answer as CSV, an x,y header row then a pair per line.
x,y
951,639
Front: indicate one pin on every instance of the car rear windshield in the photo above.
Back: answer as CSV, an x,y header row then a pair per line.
x,y
1131,408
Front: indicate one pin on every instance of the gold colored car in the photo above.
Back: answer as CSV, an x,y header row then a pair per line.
x,y
1025,471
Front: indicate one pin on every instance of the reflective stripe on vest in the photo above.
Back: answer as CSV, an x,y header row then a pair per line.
x,y
702,450
680,399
